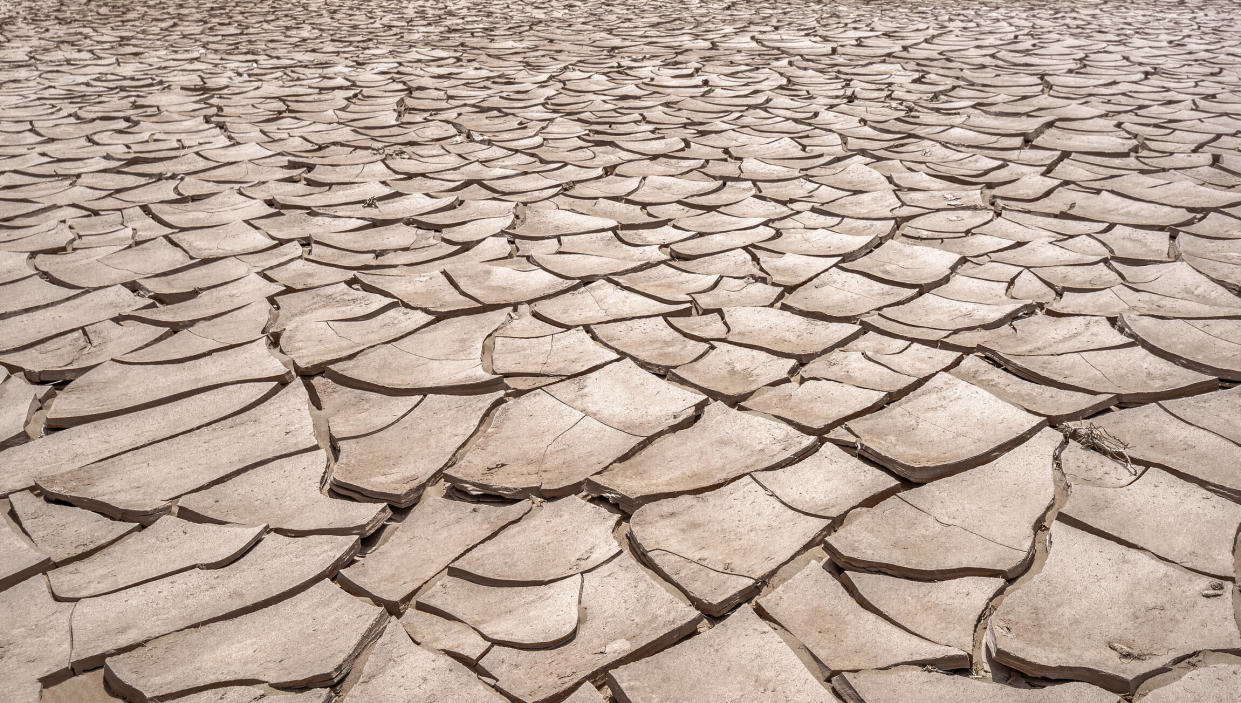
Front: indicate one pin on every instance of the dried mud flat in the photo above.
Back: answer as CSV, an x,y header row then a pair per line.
x,y
583,351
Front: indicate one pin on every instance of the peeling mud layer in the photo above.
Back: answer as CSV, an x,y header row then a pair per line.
x,y
372,351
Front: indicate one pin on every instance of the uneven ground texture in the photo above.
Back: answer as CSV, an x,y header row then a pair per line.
x,y
726,352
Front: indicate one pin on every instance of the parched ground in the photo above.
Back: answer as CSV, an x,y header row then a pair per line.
x,y
686,352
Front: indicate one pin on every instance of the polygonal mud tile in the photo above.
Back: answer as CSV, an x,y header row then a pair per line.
x,y
285,495
276,567
308,640
816,609
396,669
906,683
529,617
168,546
1109,615
627,615
718,547
435,533
741,658
553,541
722,445
943,426
1159,512
979,522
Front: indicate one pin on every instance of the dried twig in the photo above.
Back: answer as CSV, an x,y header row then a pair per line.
x,y
1098,438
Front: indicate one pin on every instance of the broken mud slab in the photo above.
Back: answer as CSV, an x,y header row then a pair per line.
x,y
817,610
275,568
944,426
322,620
722,444
739,656
1131,614
140,485
397,669
610,635
434,534
285,495
904,683
719,547
980,522
553,541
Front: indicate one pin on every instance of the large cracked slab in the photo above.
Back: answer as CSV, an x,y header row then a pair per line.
x,y
944,611
816,609
741,658
166,547
1210,683
19,559
451,637
94,306
945,425
1165,515
435,533
139,484
718,547
827,483
1133,374
554,541
979,522
529,617
723,444
626,615
34,638
1155,437
397,670
323,621
276,567
378,466
904,683
549,440
76,447
1109,615
62,532
285,495
445,355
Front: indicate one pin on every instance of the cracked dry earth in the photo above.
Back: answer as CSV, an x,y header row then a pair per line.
x,y
578,351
